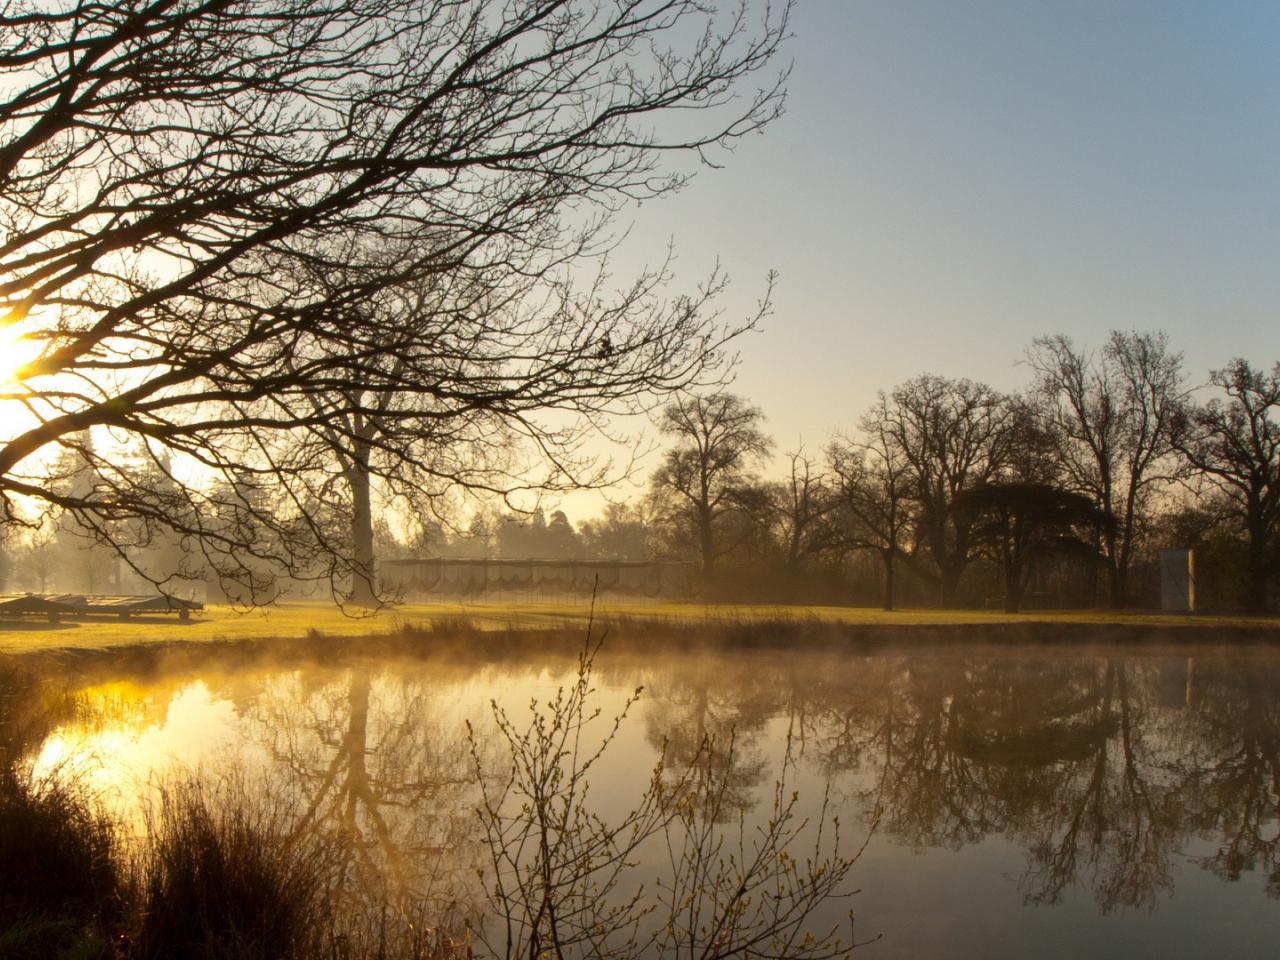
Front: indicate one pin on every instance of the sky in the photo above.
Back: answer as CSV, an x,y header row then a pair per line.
x,y
952,179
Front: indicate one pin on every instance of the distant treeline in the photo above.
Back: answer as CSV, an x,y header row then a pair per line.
x,y
949,492
944,492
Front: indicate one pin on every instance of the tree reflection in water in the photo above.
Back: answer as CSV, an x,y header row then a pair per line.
x,y
1090,763
1230,769
711,714
373,759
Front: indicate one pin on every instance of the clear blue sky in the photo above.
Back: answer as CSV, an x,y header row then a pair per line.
x,y
954,178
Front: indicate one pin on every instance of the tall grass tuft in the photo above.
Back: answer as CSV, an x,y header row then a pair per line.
x,y
55,848
59,881
224,879
395,935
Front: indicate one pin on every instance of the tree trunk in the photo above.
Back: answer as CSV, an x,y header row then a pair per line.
x,y
1012,586
1091,588
356,741
363,561
949,582
1257,569
1120,587
1011,555
707,546
887,555
1116,579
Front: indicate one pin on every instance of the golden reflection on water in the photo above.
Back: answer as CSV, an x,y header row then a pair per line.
x,y
125,738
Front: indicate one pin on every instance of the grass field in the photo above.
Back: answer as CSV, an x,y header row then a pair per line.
x,y
298,618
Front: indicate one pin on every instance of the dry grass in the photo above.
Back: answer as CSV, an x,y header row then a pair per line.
x,y
216,877
55,848
60,884
220,878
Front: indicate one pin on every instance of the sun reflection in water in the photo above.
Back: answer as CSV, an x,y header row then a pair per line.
x,y
126,739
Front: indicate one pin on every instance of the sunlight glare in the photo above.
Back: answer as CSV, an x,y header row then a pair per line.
x,y
17,350
127,740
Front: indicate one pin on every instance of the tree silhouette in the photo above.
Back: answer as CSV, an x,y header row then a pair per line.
x,y
803,506
1112,416
1025,522
216,212
704,478
873,490
952,435
1237,446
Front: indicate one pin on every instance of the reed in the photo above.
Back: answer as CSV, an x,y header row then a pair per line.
x,y
220,877
60,883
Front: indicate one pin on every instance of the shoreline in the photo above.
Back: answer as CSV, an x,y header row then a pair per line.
x,y
462,640
299,618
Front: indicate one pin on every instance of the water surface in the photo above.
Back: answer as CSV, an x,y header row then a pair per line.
x,y
1052,802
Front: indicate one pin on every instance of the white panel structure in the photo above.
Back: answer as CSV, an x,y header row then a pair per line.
x,y
1178,581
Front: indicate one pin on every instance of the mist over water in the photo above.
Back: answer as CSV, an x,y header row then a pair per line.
x,y
1035,802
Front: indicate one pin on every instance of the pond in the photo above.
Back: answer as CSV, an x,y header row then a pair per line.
x,y
1048,802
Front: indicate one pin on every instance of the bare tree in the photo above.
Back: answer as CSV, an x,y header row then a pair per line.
x,y
1113,415
1023,523
561,878
176,174
874,486
704,477
1236,445
873,489
803,505
952,435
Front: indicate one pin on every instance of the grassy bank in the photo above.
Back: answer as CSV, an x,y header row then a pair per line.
x,y
295,620
465,644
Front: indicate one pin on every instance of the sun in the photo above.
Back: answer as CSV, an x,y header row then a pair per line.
x,y
17,350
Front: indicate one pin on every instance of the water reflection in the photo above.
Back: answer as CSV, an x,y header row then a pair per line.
x,y
1111,773
377,764
712,715
1102,768
1231,769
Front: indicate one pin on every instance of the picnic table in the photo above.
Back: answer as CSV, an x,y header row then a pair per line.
x,y
56,606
